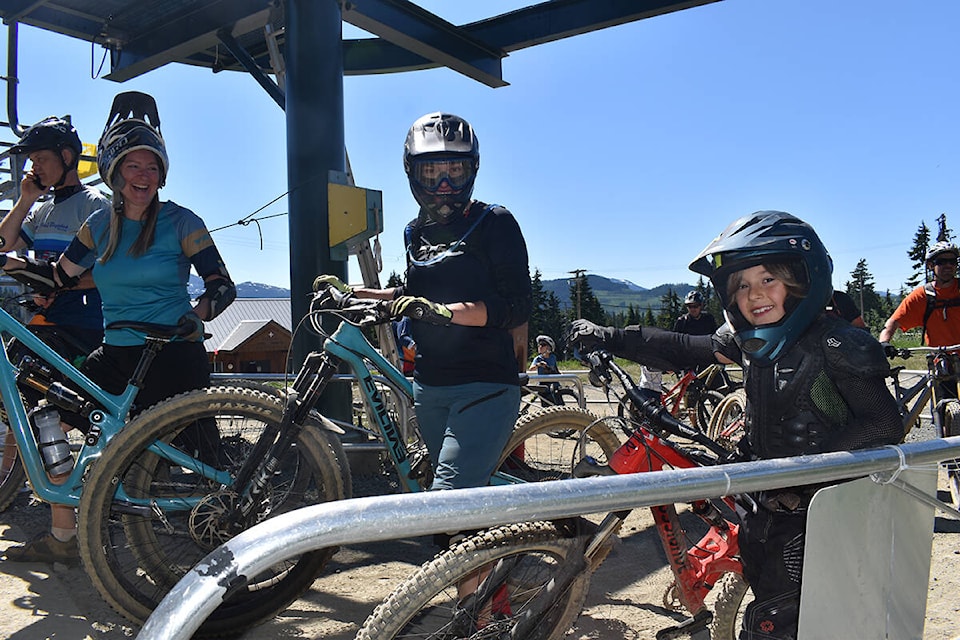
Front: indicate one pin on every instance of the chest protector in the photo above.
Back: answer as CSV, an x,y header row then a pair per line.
x,y
795,403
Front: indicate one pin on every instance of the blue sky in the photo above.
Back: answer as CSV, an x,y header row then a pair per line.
x,y
622,152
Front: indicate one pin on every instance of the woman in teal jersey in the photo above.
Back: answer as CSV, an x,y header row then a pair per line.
x,y
140,251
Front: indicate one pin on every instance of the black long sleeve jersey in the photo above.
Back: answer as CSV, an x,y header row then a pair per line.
x,y
480,256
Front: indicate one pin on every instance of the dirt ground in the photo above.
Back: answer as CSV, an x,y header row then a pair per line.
x,y
41,601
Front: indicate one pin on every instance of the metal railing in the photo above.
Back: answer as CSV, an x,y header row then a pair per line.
x,y
361,520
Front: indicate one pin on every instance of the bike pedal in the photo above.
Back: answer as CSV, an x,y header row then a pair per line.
x,y
688,627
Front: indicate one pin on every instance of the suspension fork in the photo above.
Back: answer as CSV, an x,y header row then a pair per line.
x,y
259,467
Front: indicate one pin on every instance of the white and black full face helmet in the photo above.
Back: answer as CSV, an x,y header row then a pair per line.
x,y
441,156
133,124
768,237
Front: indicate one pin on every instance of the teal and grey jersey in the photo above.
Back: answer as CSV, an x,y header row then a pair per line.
x,y
151,287
48,230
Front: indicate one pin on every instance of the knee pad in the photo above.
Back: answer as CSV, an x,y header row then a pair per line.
x,y
775,618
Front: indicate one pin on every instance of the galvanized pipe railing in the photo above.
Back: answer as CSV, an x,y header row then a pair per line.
x,y
202,590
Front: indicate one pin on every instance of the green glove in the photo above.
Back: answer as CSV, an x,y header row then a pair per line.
x,y
421,309
332,281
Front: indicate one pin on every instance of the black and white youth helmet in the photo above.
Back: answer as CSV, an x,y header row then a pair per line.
x,y
441,156
133,124
768,237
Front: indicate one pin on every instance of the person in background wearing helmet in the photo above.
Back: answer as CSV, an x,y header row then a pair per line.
x,y
140,251
695,321
813,382
467,285
935,306
70,321
545,362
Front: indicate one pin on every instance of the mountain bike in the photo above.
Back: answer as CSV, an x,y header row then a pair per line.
x,y
140,548
187,448
938,389
531,579
699,393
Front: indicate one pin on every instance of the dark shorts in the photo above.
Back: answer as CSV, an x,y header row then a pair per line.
x,y
179,367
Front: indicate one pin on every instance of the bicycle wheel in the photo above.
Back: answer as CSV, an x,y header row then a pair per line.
x,y
951,427
732,599
134,556
727,424
520,561
12,475
545,445
707,402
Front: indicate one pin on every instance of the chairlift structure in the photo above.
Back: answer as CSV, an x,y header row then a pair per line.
x,y
294,49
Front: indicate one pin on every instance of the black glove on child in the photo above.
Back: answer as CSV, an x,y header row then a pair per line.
x,y
588,336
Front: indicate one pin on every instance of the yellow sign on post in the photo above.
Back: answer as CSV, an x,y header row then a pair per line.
x,y
355,214
87,168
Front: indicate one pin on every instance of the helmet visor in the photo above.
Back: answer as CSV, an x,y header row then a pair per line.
x,y
431,173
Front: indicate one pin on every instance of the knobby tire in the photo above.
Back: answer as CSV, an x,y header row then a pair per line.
x,y
951,427
546,444
728,611
134,559
522,560
731,410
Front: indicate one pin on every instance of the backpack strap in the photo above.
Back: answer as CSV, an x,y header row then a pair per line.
x,y
932,303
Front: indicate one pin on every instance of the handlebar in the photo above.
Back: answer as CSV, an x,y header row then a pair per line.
x,y
361,312
602,365
906,352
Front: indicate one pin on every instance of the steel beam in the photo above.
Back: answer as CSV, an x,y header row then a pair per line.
x,y
428,36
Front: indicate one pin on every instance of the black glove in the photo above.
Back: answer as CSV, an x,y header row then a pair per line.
x,y
588,336
190,327
889,350
421,309
37,275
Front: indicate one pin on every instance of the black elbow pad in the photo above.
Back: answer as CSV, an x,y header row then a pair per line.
x,y
220,292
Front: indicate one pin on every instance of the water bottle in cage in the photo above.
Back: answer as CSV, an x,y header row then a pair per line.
x,y
51,440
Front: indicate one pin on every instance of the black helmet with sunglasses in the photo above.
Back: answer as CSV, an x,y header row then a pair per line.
x,y
441,156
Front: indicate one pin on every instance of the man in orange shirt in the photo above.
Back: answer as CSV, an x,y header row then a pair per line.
x,y
942,325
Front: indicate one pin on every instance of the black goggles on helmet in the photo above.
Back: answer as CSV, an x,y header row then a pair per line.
x,y
431,173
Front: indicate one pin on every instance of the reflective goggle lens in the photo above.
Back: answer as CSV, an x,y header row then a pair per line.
x,y
430,174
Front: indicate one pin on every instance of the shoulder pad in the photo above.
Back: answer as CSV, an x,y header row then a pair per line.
x,y
853,351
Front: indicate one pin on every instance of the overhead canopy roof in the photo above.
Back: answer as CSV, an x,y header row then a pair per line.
x,y
142,35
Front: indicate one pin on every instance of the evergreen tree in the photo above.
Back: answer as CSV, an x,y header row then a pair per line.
x,y
861,288
394,280
633,316
671,307
583,298
648,319
545,317
917,255
944,233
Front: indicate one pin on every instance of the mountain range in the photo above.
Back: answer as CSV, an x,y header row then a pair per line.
x,y
615,295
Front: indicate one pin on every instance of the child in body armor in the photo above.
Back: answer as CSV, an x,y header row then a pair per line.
x,y
814,384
